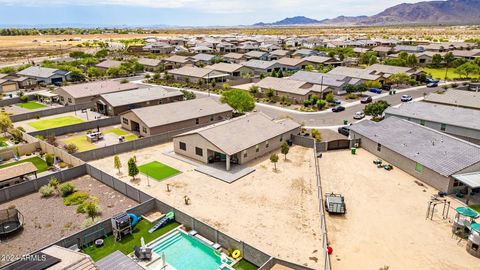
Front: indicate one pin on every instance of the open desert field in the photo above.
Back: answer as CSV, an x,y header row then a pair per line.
x,y
385,223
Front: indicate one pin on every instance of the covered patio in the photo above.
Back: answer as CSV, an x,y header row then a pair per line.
x,y
472,183
16,173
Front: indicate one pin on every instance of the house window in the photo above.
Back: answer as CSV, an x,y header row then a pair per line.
x,y
443,127
197,121
69,100
244,153
266,144
422,122
457,183
257,148
418,167
211,118
281,138
183,146
379,147
144,129
125,120
199,151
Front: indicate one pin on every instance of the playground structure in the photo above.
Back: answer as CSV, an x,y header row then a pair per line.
x,y
166,219
473,244
463,221
434,201
11,220
123,224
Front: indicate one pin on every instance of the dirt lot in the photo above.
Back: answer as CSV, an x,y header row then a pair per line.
x,y
48,219
385,223
277,212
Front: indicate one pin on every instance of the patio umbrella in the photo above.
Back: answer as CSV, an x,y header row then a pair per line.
x,y
467,212
475,227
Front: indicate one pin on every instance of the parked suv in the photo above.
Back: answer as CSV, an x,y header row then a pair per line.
x,y
345,130
366,100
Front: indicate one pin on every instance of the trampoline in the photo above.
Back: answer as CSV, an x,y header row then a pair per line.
x,y
11,220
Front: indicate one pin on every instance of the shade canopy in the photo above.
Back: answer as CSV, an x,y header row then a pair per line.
x,y
475,227
467,212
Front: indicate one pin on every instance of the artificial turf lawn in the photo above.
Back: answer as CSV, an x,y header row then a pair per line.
x,y
31,105
245,265
81,142
38,162
127,243
439,73
157,170
55,122
121,132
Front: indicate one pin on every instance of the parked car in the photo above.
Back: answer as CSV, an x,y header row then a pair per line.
x,y
338,109
336,101
359,115
366,100
432,84
345,130
375,90
430,80
406,98
387,87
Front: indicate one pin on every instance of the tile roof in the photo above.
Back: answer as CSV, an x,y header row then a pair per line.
x,y
316,78
196,72
234,55
149,62
466,118
139,95
40,72
237,134
109,64
225,67
96,88
179,111
437,151
287,61
354,73
259,64
467,99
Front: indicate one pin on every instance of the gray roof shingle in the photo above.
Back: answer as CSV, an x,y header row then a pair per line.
x,y
138,95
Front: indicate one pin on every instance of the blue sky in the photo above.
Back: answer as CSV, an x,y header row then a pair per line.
x,y
179,12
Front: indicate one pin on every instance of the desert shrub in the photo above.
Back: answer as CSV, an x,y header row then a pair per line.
x,y
46,191
49,159
62,164
71,148
75,198
66,189
24,98
351,96
89,222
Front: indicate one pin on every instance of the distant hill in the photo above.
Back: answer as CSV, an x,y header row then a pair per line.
x,y
428,12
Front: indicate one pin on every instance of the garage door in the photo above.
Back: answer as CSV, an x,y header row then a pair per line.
x,y
57,80
338,144
9,87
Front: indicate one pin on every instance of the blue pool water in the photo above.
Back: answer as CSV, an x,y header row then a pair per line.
x,y
187,253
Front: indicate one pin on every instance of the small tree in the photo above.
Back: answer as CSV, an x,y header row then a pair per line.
x,y
269,92
448,58
188,95
49,159
321,104
239,100
5,122
372,60
330,97
71,148
132,168
54,184
274,160
285,149
376,108
253,90
116,163
91,208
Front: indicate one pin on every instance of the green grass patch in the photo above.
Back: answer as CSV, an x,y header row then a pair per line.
x,y
126,244
38,162
55,122
475,207
81,142
31,105
116,131
3,142
157,170
245,265
439,73
131,137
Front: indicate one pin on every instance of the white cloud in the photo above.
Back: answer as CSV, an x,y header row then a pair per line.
x,y
313,8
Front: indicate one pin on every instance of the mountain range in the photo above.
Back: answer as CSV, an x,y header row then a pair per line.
x,y
428,12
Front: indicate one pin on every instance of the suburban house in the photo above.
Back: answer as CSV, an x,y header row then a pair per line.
x,y
202,49
109,64
150,64
429,155
203,59
235,71
322,60
426,57
459,122
194,74
234,58
289,64
159,48
301,53
386,70
335,82
45,75
225,47
457,98
177,61
277,54
258,55
236,141
159,119
118,102
87,92
469,55
383,51
7,84
409,49
297,91
357,73
262,67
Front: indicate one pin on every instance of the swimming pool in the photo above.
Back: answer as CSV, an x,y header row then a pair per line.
x,y
184,252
